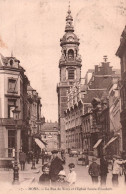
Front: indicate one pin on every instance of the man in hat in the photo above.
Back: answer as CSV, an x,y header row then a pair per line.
x,y
94,170
103,169
117,161
55,166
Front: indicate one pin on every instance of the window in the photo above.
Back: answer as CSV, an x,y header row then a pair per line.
x,y
11,62
71,74
70,54
11,141
11,85
11,107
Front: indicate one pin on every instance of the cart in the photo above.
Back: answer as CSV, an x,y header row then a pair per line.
x,y
81,159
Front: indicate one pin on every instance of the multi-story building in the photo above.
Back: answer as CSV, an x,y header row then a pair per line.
x,y
13,93
83,131
50,135
121,53
70,71
34,114
114,145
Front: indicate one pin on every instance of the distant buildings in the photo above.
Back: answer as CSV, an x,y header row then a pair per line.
x,y
50,135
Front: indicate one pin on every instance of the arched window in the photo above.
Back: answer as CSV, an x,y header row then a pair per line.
x,y
70,54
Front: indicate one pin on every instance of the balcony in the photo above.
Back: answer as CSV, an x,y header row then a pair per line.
x,y
10,122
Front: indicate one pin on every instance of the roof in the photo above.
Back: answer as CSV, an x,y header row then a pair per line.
x,y
92,93
49,126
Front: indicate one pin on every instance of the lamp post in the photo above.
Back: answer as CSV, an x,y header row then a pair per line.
x,y
82,139
16,169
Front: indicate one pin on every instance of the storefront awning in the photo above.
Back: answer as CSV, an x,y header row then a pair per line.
x,y
40,143
110,141
97,143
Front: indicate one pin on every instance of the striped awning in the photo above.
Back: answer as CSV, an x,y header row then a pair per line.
x,y
109,142
40,143
97,143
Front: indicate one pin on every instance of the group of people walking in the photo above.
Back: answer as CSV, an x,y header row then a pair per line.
x,y
53,172
101,170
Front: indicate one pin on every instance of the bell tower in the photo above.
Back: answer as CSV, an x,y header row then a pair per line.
x,y
70,71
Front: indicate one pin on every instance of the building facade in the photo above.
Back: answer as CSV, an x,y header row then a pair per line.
x,y
87,120
70,71
115,125
13,93
121,53
34,115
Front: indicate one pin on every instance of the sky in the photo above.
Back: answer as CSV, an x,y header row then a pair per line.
x,y
31,30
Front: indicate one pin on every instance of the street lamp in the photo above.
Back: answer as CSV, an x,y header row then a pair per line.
x,y
16,169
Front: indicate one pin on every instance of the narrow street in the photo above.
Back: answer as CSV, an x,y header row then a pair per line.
x,y
30,177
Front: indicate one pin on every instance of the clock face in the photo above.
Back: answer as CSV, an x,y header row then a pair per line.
x,y
70,39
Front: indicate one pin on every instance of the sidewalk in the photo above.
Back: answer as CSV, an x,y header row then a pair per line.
x,y
27,176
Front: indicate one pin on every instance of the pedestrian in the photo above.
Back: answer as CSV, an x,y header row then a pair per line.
x,y
117,162
103,169
63,156
61,182
71,179
43,156
55,166
86,159
94,170
22,159
44,179
28,157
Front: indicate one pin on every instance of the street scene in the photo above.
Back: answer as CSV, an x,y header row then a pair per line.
x,y
63,95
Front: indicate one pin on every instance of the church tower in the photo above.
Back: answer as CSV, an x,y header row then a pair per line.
x,y
70,71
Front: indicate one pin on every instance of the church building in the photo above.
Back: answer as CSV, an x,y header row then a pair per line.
x,y
70,71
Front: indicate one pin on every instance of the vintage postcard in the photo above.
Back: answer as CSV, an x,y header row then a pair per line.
x,y
62,96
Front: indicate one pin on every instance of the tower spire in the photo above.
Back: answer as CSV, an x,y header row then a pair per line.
x,y
69,19
12,53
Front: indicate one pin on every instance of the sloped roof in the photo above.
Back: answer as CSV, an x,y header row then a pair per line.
x,y
92,94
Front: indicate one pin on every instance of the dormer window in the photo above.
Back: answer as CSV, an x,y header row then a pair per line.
x,y
11,62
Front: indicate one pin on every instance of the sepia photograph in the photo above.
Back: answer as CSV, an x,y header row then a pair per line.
x,y
62,96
